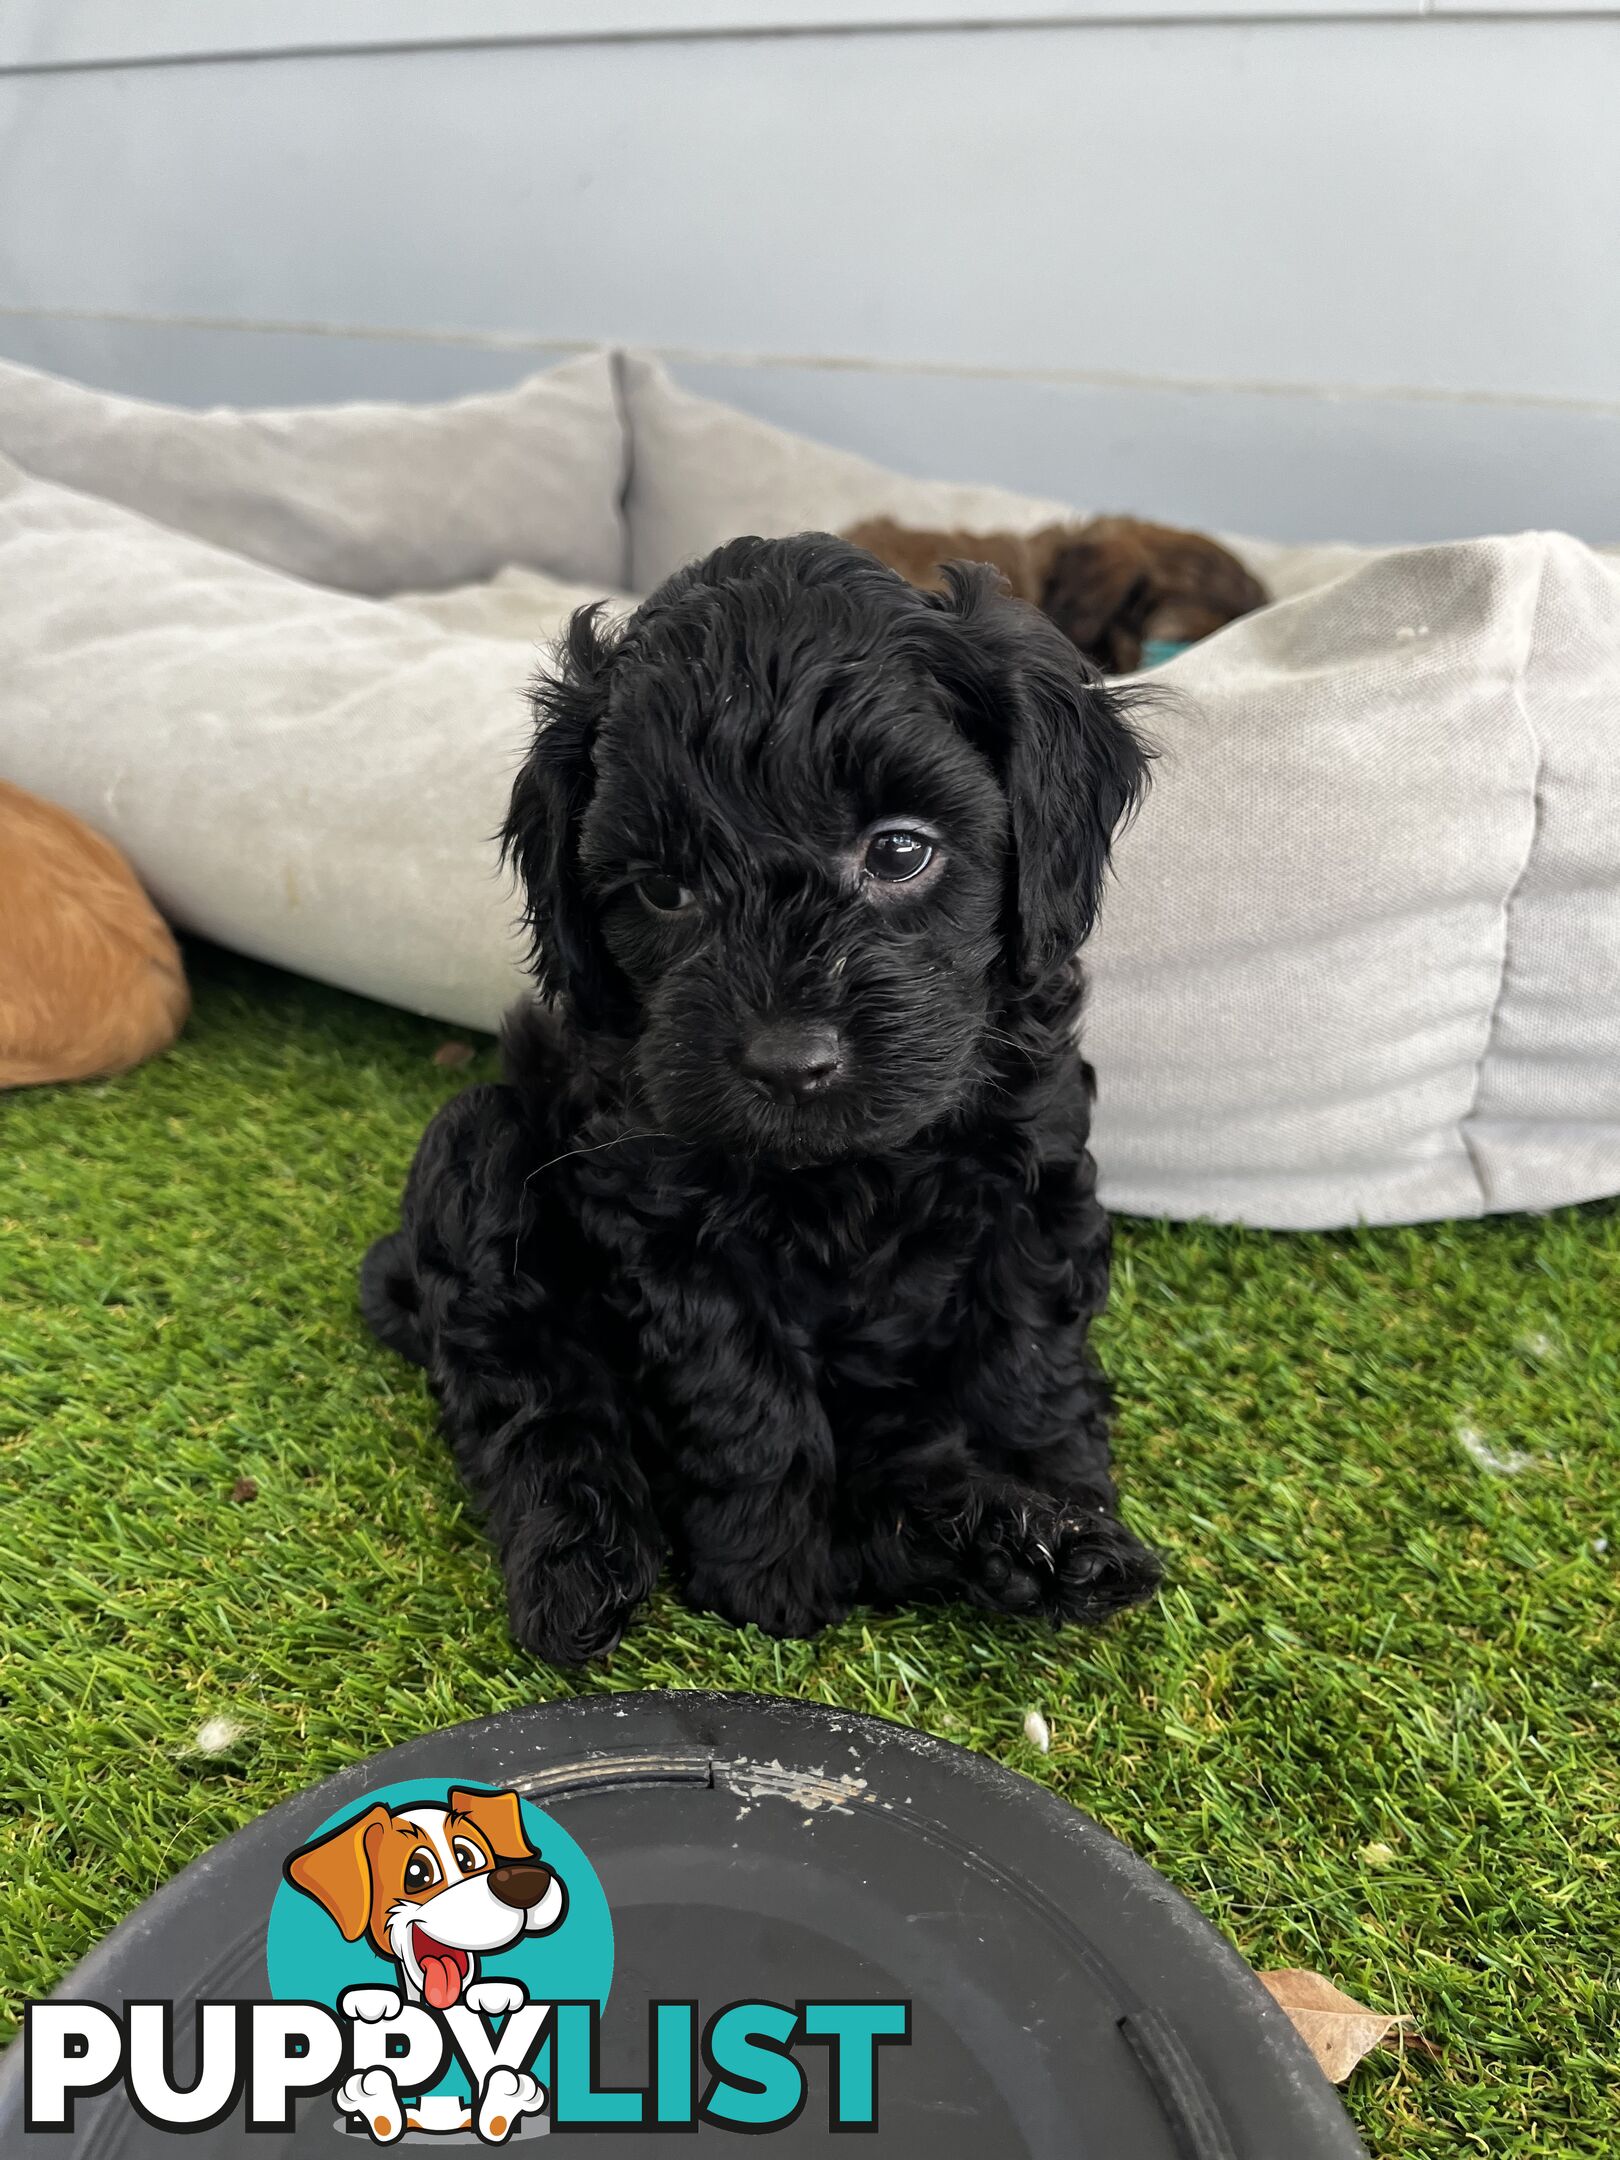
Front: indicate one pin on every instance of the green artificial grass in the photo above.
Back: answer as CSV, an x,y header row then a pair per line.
x,y
1372,1726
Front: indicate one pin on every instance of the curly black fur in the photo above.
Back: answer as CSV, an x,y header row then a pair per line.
x,y
815,1348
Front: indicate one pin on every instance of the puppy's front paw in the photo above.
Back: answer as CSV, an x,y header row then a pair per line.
x,y
574,1612
496,1998
371,2005
1031,1553
578,1573
798,1595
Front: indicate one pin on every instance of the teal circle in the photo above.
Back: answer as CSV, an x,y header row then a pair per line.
x,y
309,1961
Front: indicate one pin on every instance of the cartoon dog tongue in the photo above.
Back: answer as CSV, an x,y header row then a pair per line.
x,y
441,1971
441,1981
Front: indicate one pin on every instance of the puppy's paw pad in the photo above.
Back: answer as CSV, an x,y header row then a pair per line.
x,y
496,1998
508,2096
369,2005
1100,1568
372,2094
1011,1579
1036,1555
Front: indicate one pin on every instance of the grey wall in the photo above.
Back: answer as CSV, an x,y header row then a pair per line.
x,y
1307,276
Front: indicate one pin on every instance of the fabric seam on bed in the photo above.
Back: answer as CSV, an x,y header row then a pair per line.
x,y
1510,898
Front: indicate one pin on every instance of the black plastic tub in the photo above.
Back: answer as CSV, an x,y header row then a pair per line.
x,y
1065,2003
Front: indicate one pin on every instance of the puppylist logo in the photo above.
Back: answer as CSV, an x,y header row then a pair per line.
x,y
440,1958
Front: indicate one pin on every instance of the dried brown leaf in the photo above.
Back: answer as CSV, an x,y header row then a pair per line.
x,y
454,1056
1337,2030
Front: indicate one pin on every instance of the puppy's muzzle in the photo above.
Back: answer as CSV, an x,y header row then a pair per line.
x,y
519,1884
792,1060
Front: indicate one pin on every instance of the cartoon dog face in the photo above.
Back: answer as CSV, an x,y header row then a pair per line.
x,y
431,1885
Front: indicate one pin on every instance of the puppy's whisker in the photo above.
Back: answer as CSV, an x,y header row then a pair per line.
x,y
1011,1042
596,1148
568,1155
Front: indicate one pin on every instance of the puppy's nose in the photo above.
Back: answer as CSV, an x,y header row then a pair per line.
x,y
792,1058
519,1883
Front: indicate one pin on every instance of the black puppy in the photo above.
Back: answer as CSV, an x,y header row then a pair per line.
x,y
779,1247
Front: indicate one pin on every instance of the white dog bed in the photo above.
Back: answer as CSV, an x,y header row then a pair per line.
x,y
1361,958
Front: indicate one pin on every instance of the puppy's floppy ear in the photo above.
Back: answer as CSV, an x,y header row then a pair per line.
x,y
541,835
1062,743
499,1815
336,1870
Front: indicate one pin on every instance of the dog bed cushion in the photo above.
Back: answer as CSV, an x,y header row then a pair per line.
x,y
370,498
1360,961
310,777
1362,955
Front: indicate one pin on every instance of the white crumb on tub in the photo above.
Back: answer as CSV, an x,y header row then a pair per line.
x,y
810,1789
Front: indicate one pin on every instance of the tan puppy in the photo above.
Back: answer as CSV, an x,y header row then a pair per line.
x,y
1112,585
90,979
1024,559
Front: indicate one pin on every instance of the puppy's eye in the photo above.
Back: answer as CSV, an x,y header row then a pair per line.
x,y
421,1870
896,854
663,896
468,1857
